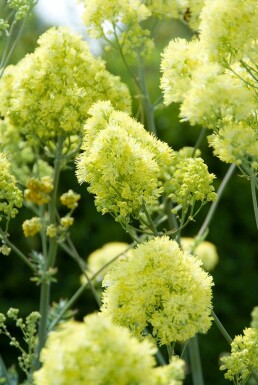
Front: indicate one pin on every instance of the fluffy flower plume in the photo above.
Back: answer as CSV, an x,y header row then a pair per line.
x,y
121,161
159,285
187,179
10,195
51,90
228,27
96,352
243,358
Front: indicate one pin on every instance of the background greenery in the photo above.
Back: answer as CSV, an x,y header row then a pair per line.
x,y
232,230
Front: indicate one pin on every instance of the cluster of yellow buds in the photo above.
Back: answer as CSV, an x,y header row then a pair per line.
x,y
70,199
38,190
31,226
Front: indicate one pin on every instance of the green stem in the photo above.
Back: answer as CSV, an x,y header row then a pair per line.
x,y
215,204
17,251
50,261
170,350
148,107
151,223
199,141
254,198
196,366
81,289
221,328
77,258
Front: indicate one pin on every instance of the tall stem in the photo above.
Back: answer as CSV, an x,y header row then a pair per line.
x,y
51,256
194,353
215,204
148,107
254,198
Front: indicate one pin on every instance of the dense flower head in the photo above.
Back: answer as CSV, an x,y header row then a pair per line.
x,y
243,358
50,91
97,352
103,115
70,199
31,226
38,190
214,94
122,174
179,59
118,20
187,180
100,257
121,161
235,142
10,195
205,251
160,286
228,27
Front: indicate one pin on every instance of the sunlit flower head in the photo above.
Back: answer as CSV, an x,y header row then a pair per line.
x,y
161,287
50,91
97,352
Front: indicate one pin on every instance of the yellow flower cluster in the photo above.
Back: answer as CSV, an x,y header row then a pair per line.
x,y
10,195
122,21
205,251
100,257
187,179
96,352
160,286
121,161
31,226
70,199
218,87
38,190
243,358
49,92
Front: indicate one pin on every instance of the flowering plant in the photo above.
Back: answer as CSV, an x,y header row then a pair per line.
x,y
61,108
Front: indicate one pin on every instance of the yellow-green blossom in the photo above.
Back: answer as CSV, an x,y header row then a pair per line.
x,y
179,59
10,195
160,286
228,27
97,352
31,226
118,21
205,251
121,161
38,190
66,222
122,173
190,182
214,94
235,142
243,358
104,115
50,91
70,199
100,257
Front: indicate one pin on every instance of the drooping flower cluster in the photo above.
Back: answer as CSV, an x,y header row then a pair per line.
x,y
10,194
160,286
214,77
121,161
96,352
205,251
243,358
50,91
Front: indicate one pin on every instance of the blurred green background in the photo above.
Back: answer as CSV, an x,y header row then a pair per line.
x,y
232,230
